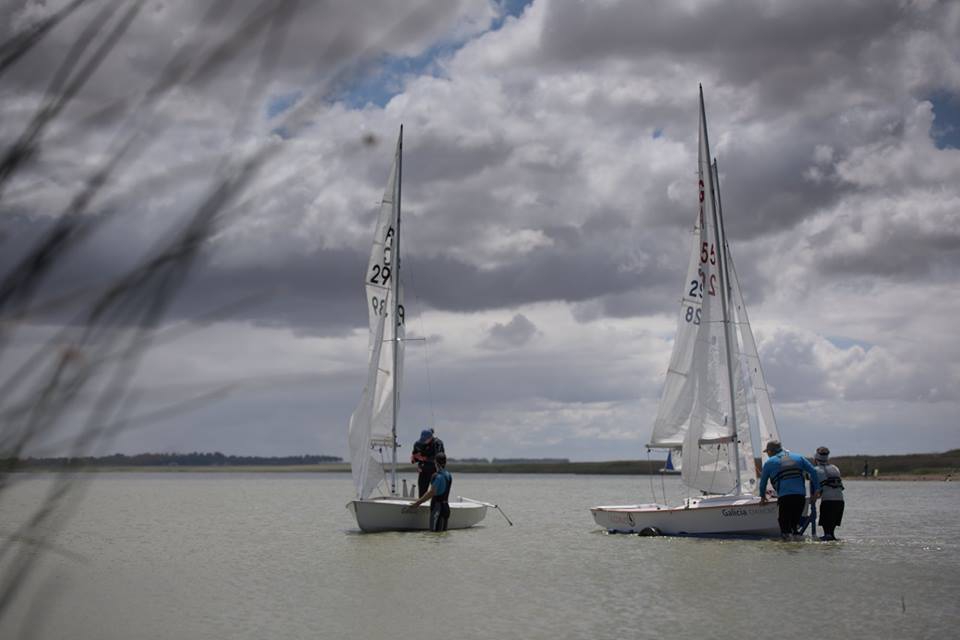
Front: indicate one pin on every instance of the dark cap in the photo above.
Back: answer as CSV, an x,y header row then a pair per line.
x,y
773,446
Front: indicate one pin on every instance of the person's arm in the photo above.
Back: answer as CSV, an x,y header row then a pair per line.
x,y
419,501
764,477
417,455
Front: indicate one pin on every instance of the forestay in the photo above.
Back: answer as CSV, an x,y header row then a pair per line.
x,y
372,423
740,363
750,361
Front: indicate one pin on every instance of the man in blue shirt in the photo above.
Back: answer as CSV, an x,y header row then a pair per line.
x,y
438,494
785,472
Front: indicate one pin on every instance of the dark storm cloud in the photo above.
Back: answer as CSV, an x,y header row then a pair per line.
x,y
445,159
573,269
761,62
323,34
317,293
793,371
765,193
746,42
904,254
320,292
515,333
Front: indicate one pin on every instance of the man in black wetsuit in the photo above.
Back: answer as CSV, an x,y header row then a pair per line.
x,y
424,454
438,494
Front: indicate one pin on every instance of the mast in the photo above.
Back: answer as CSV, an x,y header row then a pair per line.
x,y
722,274
396,321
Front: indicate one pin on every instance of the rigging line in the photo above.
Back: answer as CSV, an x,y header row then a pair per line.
x,y
653,492
716,468
663,484
426,358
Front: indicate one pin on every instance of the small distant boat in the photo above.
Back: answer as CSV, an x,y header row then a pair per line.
x,y
713,386
669,466
373,425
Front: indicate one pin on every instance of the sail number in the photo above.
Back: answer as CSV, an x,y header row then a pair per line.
x,y
697,286
380,274
692,315
708,256
700,188
379,306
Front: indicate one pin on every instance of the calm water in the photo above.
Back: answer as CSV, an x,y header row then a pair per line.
x,y
277,556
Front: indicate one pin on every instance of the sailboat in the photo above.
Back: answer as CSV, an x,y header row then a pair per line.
x,y
714,386
373,425
669,466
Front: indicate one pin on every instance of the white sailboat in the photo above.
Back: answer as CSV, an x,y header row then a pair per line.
x,y
713,387
373,425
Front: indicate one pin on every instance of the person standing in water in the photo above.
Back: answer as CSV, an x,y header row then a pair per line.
x,y
831,496
438,494
785,471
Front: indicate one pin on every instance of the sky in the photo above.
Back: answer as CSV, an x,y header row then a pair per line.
x,y
549,185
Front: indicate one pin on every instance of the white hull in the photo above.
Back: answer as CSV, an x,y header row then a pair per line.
x,y
709,516
386,514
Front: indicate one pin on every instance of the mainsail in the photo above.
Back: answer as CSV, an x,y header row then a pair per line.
x,y
373,423
703,409
680,388
365,466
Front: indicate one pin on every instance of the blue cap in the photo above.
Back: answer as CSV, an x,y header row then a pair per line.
x,y
426,434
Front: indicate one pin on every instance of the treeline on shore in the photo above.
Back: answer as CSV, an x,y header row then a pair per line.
x,y
194,459
905,464
916,464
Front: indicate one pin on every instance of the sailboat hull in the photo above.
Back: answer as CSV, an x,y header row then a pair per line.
x,y
386,514
712,516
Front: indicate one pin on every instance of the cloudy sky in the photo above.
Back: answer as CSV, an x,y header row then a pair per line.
x,y
549,185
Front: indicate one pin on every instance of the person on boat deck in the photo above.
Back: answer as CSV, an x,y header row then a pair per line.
x,y
438,494
831,496
785,471
425,451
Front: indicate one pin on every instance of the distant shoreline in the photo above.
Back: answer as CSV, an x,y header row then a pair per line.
x,y
910,466
620,467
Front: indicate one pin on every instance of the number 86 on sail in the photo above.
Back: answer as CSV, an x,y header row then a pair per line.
x,y
380,308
